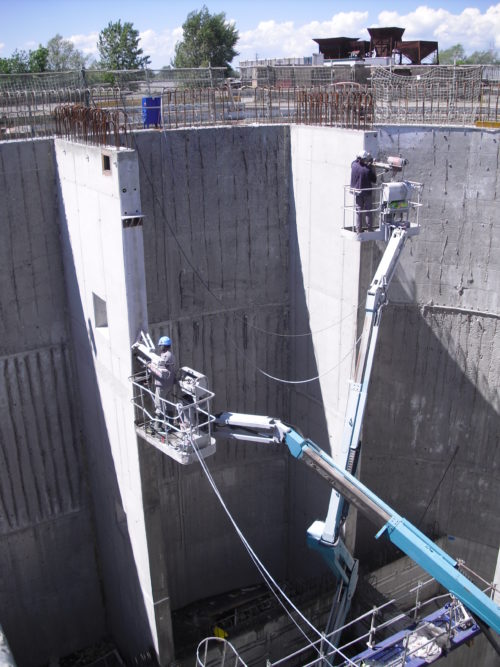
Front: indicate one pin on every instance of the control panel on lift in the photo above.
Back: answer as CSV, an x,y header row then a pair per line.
x,y
371,214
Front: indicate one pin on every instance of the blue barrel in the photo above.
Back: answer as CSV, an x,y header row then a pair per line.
x,y
151,111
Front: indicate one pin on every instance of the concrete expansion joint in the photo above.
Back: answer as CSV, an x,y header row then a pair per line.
x,y
424,308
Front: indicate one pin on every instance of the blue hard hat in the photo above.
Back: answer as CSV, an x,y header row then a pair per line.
x,y
165,341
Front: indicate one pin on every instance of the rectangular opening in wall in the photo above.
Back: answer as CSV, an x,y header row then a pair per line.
x,y
106,163
100,311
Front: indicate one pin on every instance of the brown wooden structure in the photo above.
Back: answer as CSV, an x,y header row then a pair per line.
x,y
338,48
383,41
417,50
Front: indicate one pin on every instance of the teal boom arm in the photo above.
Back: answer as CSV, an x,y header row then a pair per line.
x,y
400,532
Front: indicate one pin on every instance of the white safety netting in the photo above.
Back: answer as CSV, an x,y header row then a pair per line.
x,y
435,95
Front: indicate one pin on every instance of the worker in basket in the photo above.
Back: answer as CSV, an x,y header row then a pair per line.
x,y
164,373
363,179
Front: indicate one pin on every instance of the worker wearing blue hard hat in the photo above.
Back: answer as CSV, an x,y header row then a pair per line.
x,y
164,372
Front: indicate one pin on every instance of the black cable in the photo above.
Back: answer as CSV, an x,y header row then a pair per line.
x,y
438,485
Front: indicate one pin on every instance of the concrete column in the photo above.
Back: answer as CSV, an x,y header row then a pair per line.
x,y
104,264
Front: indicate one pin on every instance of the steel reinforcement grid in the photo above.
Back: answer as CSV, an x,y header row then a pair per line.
x,y
425,96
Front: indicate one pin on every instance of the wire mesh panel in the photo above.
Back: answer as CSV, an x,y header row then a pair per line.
x,y
449,95
44,81
300,94
342,107
30,113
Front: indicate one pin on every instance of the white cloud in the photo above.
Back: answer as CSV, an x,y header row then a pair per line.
x,y
272,39
160,46
87,44
283,40
2,46
471,28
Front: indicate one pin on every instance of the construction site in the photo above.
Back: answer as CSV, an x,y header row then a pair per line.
x,y
221,221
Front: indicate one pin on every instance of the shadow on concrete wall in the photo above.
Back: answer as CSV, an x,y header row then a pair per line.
x,y
50,600
431,431
126,618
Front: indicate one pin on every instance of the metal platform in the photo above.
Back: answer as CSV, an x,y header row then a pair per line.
x,y
388,211
178,445
381,233
434,637
375,235
181,429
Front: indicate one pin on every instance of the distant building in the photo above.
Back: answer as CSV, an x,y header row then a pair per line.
x,y
385,43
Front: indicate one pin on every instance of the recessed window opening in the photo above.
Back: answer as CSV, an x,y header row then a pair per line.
x,y
100,311
106,163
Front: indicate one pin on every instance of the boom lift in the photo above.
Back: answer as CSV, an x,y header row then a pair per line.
x,y
398,207
398,530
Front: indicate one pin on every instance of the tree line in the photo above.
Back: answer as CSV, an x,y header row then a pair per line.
x,y
208,40
456,55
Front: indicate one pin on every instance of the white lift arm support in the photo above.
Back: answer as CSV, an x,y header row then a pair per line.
x,y
376,298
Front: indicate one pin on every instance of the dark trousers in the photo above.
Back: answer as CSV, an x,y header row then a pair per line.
x,y
364,204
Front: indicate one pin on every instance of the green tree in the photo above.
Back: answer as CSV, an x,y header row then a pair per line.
x,y
119,47
18,63
488,57
208,40
455,55
63,56
38,60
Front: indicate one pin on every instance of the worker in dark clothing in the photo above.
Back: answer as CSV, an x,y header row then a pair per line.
x,y
363,178
164,372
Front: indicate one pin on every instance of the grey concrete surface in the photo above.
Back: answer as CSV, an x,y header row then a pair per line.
x,y
216,254
104,259
437,363
50,601
241,249
431,432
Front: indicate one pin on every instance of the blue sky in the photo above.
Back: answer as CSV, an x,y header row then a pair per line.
x,y
269,29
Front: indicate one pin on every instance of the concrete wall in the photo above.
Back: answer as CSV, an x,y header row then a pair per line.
x,y
50,601
241,246
431,433
216,253
324,287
